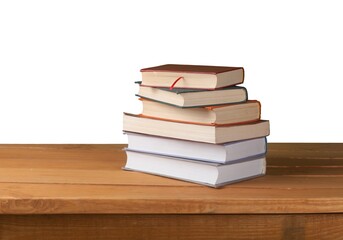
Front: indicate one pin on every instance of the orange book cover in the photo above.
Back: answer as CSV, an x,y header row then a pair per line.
x,y
196,123
209,108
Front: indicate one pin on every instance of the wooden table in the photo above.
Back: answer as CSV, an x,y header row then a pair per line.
x,y
80,192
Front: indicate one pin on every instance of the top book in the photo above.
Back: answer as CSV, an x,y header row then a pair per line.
x,y
192,76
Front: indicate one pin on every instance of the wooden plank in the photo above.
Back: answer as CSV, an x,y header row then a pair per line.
x,y
236,227
72,198
308,153
111,176
81,156
305,149
336,171
294,179
304,162
325,159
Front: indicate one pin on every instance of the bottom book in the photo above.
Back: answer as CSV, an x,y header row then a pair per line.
x,y
206,173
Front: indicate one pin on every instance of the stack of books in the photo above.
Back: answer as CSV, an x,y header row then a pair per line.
x,y
196,125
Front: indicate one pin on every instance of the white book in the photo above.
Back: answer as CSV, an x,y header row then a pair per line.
x,y
210,174
219,153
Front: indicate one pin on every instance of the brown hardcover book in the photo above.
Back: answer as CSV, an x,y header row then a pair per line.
x,y
192,76
249,111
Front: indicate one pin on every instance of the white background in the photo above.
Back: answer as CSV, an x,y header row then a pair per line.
x,y
67,68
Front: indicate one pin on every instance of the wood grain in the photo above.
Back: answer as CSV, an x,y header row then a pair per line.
x,y
55,179
197,227
81,192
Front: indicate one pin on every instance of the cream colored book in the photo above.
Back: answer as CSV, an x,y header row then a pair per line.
x,y
192,76
195,132
223,114
186,98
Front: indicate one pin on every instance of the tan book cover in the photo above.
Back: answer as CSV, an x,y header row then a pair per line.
x,y
195,132
192,76
227,114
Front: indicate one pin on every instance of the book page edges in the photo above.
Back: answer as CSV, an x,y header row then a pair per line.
x,y
195,106
199,123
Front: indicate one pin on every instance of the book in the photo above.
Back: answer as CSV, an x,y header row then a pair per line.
x,y
195,132
218,153
210,174
192,76
249,111
194,97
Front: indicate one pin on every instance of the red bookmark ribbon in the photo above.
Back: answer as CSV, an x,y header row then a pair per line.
x,y
172,86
